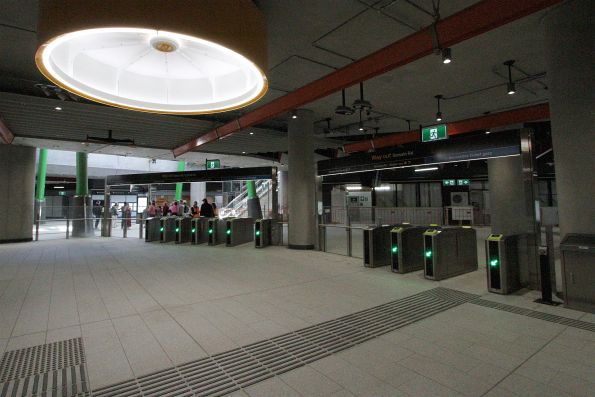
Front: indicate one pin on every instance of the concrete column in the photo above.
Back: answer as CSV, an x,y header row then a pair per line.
x,y
17,181
570,40
81,207
283,193
42,164
198,191
180,185
301,192
510,213
253,202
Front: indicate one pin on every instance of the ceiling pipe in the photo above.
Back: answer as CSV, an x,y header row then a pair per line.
x,y
491,120
479,18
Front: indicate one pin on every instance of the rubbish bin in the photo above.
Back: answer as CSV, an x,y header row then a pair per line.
x,y
578,271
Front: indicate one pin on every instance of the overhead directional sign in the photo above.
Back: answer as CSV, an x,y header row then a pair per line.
x,y
434,133
463,182
213,164
449,182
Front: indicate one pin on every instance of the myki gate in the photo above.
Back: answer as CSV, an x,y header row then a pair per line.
x,y
429,182
183,229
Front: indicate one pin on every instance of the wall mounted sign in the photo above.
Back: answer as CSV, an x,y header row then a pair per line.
x,y
460,148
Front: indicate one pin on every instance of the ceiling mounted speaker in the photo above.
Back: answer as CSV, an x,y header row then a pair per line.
x,y
161,56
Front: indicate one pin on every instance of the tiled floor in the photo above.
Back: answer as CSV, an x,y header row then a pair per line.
x,y
145,307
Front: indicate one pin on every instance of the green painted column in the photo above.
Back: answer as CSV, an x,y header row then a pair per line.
x,y
179,186
42,166
82,182
251,189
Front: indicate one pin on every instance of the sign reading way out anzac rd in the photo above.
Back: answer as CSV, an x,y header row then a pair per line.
x,y
442,151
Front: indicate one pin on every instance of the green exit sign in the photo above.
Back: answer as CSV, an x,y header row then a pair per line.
x,y
463,182
449,182
213,164
434,133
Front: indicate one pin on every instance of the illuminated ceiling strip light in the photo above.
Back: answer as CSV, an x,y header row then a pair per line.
x,y
426,169
353,188
151,71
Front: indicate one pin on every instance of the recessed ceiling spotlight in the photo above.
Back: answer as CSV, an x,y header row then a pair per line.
x,y
172,57
488,131
251,133
243,152
438,113
294,115
511,88
58,108
446,55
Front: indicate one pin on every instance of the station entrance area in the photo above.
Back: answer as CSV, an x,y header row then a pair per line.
x,y
172,319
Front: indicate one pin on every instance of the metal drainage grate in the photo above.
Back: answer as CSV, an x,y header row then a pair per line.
x,y
552,318
227,372
53,369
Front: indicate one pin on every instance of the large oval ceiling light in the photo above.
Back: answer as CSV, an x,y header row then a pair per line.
x,y
173,56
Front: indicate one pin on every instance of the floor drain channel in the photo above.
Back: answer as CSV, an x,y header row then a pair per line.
x,y
227,372
53,369
552,318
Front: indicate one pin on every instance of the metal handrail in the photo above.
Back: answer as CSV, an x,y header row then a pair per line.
x,y
38,222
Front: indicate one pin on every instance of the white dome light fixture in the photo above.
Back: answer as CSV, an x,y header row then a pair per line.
x,y
154,70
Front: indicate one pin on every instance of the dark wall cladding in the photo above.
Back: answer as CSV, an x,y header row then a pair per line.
x,y
217,175
460,148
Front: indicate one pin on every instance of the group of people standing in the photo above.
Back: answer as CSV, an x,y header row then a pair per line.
x,y
182,209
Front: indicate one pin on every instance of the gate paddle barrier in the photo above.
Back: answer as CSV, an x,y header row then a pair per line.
x,y
217,231
239,231
263,233
152,226
200,230
377,246
183,230
167,229
449,252
407,248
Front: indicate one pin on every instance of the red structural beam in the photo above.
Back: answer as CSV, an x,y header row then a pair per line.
x,y
501,119
6,135
466,24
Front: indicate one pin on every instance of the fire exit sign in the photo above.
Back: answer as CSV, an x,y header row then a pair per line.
x,y
434,133
213,164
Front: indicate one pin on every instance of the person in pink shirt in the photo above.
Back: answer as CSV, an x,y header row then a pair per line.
x,y
174,208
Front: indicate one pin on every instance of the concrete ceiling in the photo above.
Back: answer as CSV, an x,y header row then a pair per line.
x,y
307,40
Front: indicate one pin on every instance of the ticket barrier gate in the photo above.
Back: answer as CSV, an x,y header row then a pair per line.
x,y
152,226
217,231
377,246
449,252
502,268
199,231
167,229
407,247
263,232
239,231
183,230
